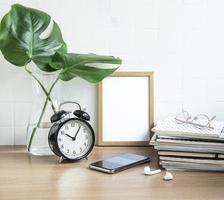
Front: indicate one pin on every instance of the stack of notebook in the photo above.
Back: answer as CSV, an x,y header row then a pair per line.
x,y
183,146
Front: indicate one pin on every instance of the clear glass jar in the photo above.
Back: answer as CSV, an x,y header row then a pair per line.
x,y
43,108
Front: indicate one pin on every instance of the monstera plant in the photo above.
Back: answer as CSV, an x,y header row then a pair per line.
x,y
29,35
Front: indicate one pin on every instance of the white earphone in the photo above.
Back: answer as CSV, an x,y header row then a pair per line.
x,y
147,171
167,177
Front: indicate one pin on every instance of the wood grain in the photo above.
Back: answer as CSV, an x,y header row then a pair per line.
x,y
23,176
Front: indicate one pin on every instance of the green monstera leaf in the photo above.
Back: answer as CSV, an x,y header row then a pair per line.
x,y
90,67
27,34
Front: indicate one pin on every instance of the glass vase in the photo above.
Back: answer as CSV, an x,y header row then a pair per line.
x,y
46,101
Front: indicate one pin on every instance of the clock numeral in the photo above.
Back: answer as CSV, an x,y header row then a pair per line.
x,y
62,132
84,130
59,139
74,152
86,137
62,146
67,150
66,127
72,124
80,149
85,144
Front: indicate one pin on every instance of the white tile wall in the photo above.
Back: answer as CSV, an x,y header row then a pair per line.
x,y
180,40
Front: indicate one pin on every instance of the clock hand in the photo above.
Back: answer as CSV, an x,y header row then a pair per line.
x,y
69,136
74,138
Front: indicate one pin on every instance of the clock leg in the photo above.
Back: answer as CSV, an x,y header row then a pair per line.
x,y
60,160
86,158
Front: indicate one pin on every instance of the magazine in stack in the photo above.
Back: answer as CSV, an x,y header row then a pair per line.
x,y
185,147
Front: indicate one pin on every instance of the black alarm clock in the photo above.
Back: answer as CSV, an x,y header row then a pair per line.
x,y
71,138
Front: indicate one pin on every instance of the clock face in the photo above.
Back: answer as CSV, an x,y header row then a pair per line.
x,y
75,139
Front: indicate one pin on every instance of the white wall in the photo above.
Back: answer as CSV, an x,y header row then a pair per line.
x,y
182,41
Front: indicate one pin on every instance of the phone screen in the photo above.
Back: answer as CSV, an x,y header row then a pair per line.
x,y
121,161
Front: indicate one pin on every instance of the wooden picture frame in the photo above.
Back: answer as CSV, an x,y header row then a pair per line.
x,y
143,79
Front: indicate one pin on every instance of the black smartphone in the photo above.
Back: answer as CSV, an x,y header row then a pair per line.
x,y
119,163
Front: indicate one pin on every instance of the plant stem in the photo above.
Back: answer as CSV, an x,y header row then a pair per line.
x,y
42,113
41,85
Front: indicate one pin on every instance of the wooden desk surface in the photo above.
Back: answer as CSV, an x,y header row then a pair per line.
x,y
28,177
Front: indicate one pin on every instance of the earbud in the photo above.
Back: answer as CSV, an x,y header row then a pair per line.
x,y
147,171
168,176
